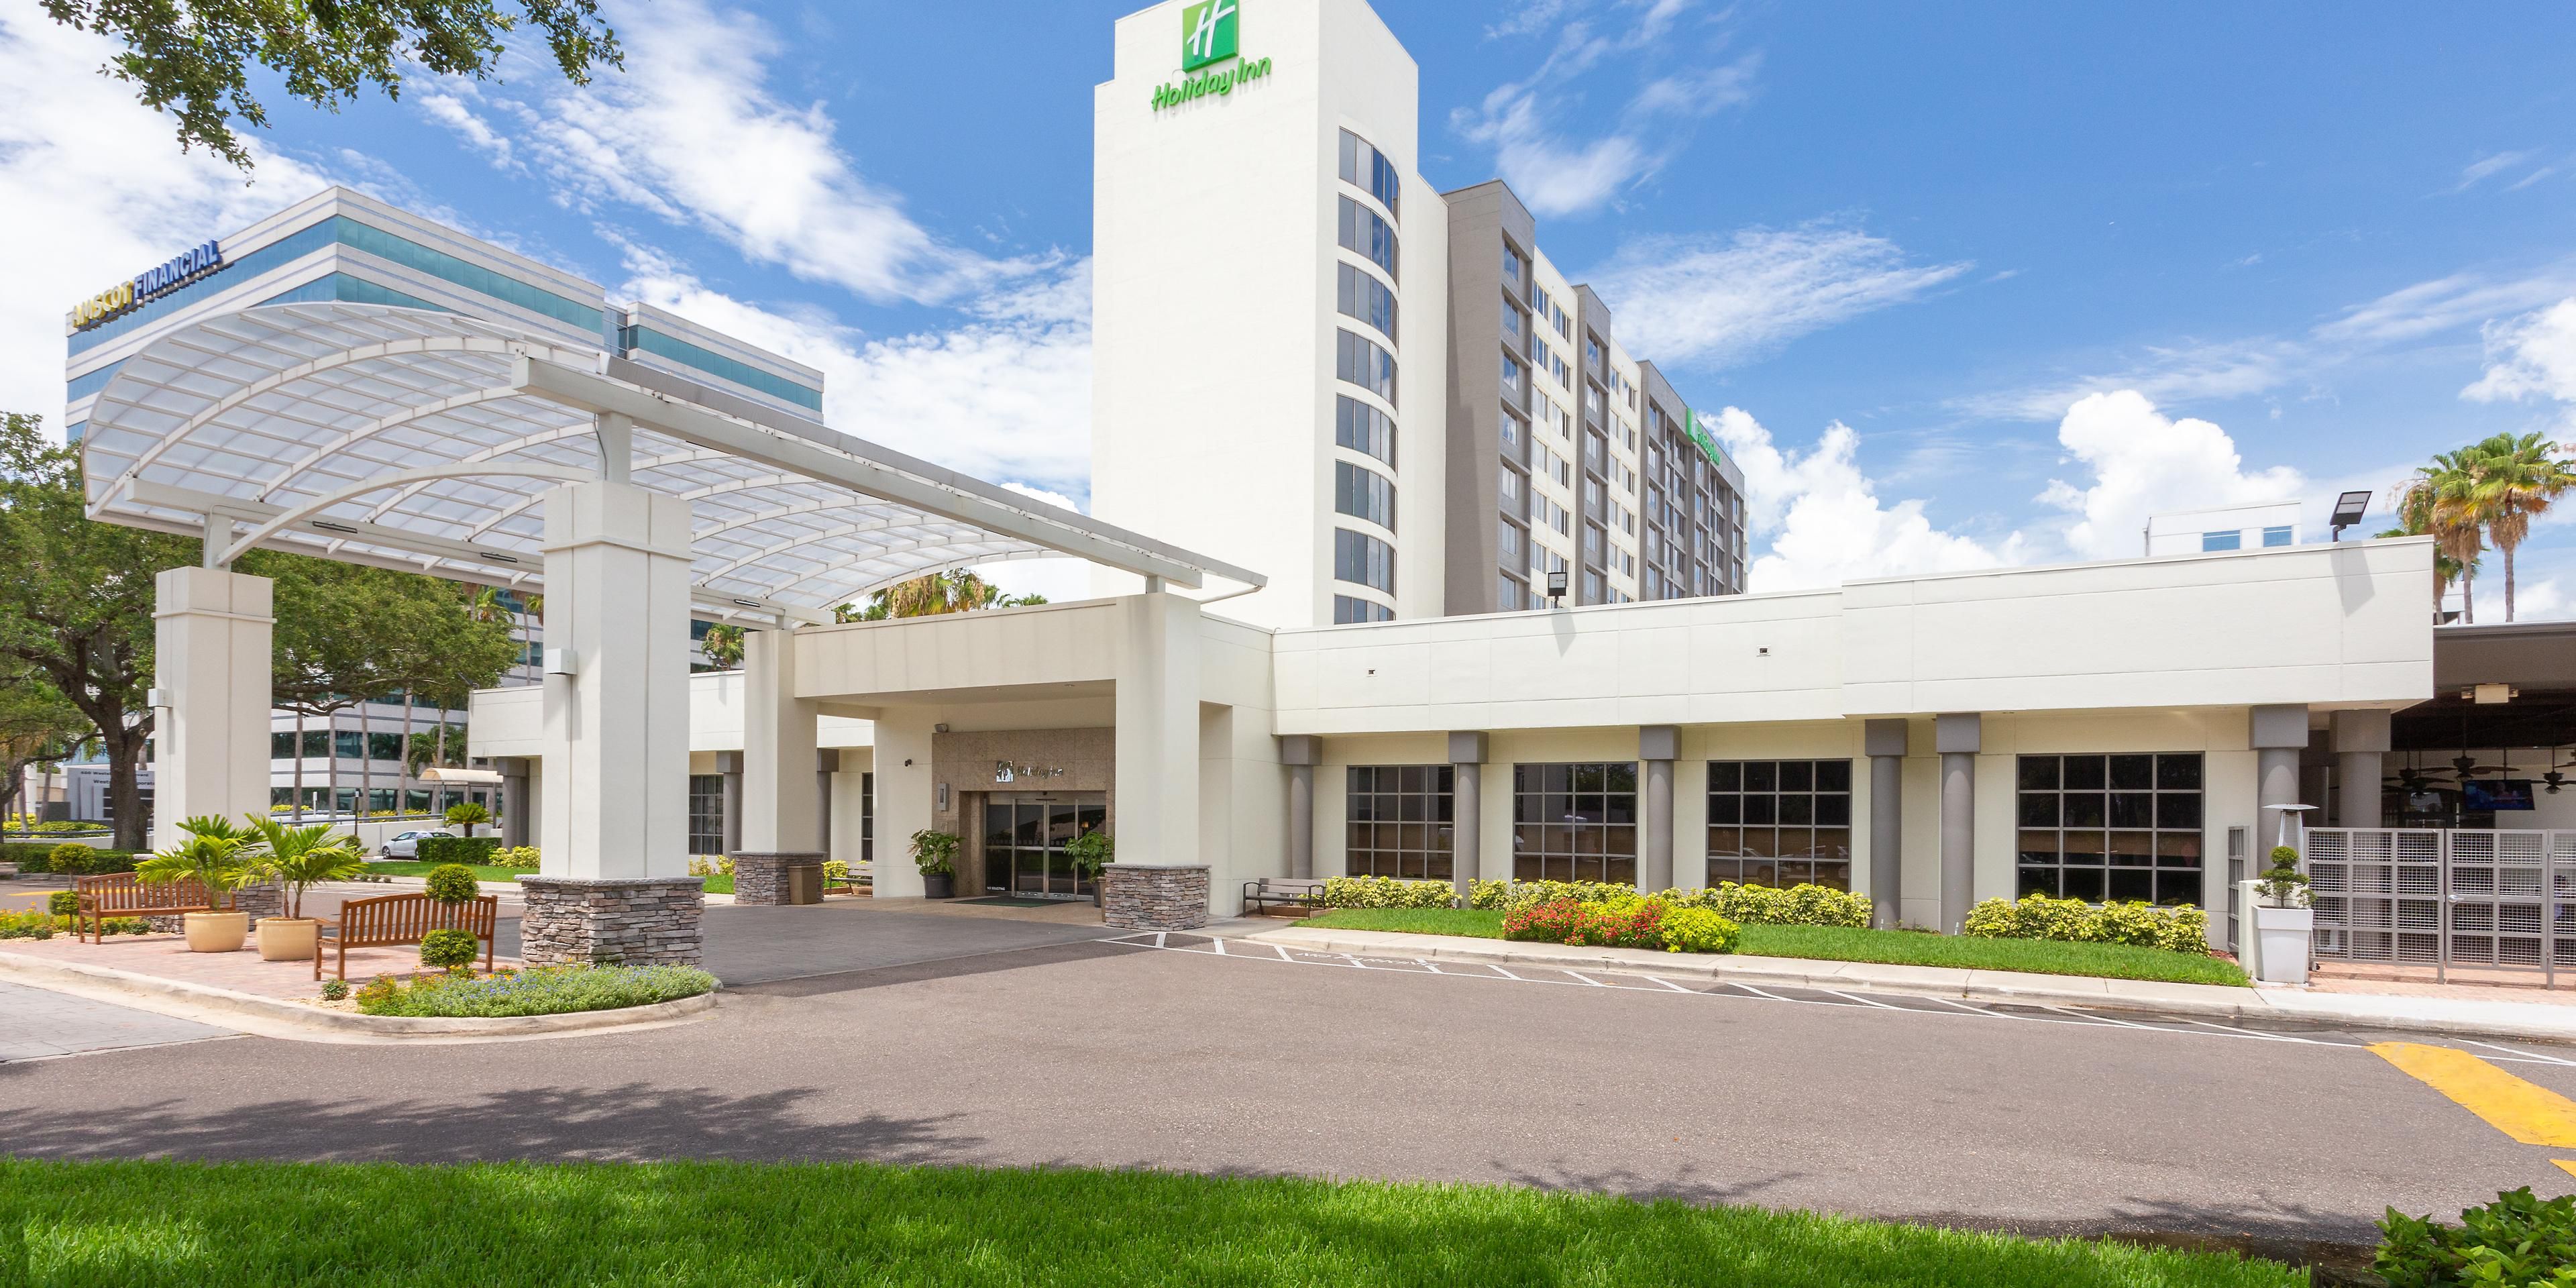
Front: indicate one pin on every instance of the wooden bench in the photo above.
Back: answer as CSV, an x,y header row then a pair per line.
x,y
122,894
1304,894
395,920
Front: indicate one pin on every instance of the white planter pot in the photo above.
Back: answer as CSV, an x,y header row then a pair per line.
x,y
2285,935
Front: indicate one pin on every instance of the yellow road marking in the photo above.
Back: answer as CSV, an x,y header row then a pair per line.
x,y
2529,1113
2566,1165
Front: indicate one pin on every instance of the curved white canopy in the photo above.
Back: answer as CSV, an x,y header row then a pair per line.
x,y
425,440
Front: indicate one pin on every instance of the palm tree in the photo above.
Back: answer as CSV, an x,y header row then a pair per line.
x,y
2441,501
300,857
2517,480
723,647
934,594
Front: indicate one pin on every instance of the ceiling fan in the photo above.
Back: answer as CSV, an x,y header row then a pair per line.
x,y
2554,779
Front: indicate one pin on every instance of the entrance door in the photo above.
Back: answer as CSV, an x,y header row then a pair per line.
x,y
1024,839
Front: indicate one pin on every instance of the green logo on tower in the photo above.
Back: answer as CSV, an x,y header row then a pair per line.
x,y
1211,31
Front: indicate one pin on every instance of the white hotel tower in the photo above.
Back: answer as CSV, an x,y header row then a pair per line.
x,y
1227,229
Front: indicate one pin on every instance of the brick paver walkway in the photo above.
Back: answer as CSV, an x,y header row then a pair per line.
x,y
168,956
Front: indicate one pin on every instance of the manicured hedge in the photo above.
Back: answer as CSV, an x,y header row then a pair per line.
x,y
2182,929
75,860
554,990
472,851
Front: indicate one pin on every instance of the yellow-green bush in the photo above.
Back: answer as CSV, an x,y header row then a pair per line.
x,y
1387,892
1799,905
2141,925
1489,895
703,866
1524,894
1698,930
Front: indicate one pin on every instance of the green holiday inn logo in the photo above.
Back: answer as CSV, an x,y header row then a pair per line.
x,y
1211,33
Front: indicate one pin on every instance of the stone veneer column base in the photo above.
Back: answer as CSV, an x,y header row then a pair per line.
x,y
1155,896
761,878
608,921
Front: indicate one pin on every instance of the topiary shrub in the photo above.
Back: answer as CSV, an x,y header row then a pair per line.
x,y
62,903
452,883
70,856
449,950
2516,1240
476,851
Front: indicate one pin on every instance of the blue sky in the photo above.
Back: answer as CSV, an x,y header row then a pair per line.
x,y
1985,283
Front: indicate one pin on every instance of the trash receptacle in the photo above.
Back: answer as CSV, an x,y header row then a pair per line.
x,y
805,883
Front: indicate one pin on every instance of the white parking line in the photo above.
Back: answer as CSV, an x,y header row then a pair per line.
x,y
2180,1026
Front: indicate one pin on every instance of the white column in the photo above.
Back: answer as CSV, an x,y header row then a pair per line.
x,y
1958,738
781,803
211,642
615,781
1158,731
1468,750
907,797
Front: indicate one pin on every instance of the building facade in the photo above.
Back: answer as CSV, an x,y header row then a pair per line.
x,y
1414,412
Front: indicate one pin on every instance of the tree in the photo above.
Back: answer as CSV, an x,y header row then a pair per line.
x,y
466,814
2441,502
723,647
198,54
76,604
933,594
2515,481
36,727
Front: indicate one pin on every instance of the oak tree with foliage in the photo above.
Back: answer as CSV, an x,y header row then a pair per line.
x,y
193,58
76,604
37,727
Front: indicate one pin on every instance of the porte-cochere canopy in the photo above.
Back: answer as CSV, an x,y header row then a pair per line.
x,y
428,440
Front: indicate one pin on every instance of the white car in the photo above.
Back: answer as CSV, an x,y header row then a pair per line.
x,y
405,845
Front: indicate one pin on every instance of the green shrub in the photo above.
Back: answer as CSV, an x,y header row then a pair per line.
x,y
1528,894
70,856
449,949
1487,896
452,883
29,857
554,990
334,990
2140,925
515,856
75,860
2518,1241
1387,892
474,851
62,903
1698,930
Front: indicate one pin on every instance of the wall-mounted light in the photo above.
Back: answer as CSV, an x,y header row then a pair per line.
x,y
943,798
939,728
562,661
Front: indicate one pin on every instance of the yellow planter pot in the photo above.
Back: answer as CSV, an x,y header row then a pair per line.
x,y
216,932
288,939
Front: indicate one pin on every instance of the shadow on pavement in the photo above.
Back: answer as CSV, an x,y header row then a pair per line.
x,y
633,1122
938,968
2334,1245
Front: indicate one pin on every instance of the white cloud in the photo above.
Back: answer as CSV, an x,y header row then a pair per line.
x,y
1006,396
2477,171
1824,521
1555,174
692,133
93,188
2143,463
1723,301
2531,356
2165,374
2427,308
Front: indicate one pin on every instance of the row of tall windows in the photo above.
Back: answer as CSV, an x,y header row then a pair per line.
x,y
1364,493
1351,608
1366,168
1366,234
341,744
2093,827
1364,297
1360,361
1363,560
1363,428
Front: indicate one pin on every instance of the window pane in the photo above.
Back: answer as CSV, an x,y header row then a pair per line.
x,y
2084,773
2178,772
1797,776
2084,809
1726,809
1761,776
2039,773
2039,847
1725,776
2039,809
1833,775
2133,849
2133,809
2132,773
1797,809
2178,809
1833,810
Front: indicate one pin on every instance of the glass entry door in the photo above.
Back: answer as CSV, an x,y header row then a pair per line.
x,y
1024,839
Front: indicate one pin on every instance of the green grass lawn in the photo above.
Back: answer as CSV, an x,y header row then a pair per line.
x,y
1833,943
411,868
170,1224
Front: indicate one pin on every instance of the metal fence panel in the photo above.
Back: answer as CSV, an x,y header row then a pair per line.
x,y
2497,900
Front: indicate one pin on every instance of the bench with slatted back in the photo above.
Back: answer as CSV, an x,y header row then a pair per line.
x,y
122,894
1264,893
394,920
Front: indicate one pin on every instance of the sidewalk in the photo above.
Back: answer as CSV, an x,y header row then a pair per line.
x,y
2405,1014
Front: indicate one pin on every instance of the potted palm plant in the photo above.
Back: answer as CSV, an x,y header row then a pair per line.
x,y
934,854
298,858
2284,924
219,855
1089,853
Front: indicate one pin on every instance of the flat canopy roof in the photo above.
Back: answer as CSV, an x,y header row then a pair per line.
x,y
426,440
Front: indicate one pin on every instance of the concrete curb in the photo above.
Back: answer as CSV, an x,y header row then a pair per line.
x,y
272,1017
2526,1020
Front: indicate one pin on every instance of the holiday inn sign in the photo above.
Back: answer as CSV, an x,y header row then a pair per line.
x,y
1211,33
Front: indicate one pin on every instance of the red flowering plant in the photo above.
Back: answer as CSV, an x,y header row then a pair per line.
x,y
1619,923
1546,923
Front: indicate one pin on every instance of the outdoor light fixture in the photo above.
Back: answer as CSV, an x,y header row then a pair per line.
x,y
495,556
328,526
1556,585
2288,812
2348,510
562,661
939,728
2488,695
